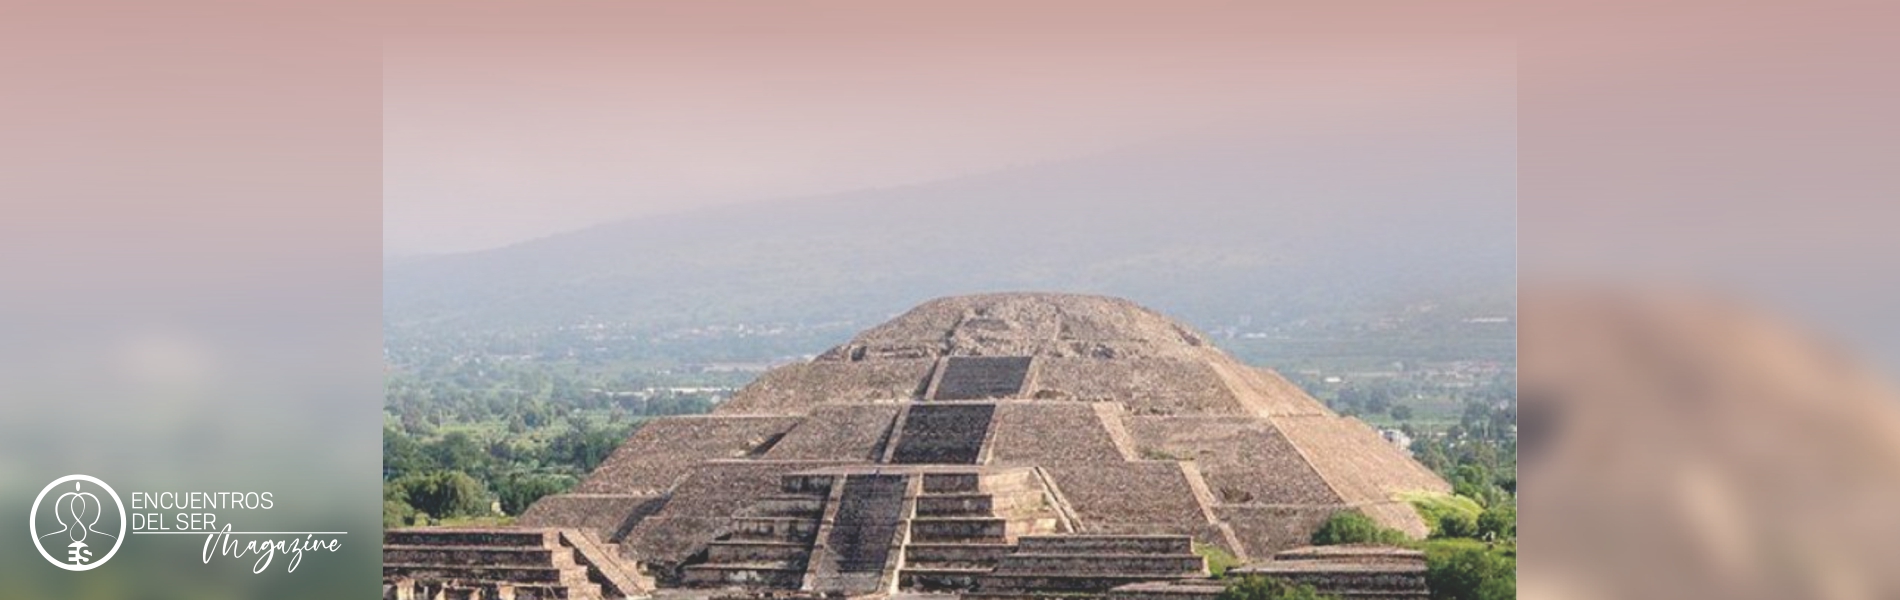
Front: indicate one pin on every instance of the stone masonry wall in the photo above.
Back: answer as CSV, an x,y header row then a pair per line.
x,y
1244,460
664,450
838,432
1051,433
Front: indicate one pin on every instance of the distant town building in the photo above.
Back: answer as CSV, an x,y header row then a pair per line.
x,y
1398,438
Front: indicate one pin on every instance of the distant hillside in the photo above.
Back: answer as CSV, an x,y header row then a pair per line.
x,y
1207,231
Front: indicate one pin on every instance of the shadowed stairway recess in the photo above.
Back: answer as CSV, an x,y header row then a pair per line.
x,y
943,434
869,515
982,377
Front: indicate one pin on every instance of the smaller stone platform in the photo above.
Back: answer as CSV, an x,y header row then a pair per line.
x,y
1349,572
1182,589
1087,566
504,564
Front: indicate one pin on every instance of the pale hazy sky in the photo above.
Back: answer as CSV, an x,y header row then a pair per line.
x,y
507,123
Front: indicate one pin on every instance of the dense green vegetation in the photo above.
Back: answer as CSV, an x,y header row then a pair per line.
x,y
1467,569
1354,527
1458,565
479,439
1448,515
1219,560
1267,588
515,390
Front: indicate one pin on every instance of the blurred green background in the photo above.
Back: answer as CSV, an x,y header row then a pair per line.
x,y
190,283
197,407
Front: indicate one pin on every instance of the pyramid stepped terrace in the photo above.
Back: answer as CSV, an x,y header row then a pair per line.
x,y
992,446
519,564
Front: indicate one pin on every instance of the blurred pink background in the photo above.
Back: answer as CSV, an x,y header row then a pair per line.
x,y
1706,253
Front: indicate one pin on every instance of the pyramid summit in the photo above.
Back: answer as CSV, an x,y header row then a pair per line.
x,y
998,444
1081,348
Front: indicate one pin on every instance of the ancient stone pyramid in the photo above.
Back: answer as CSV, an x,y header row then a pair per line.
x,y
993,443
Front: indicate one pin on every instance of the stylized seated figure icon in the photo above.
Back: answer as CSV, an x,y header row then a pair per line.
x,y
78,511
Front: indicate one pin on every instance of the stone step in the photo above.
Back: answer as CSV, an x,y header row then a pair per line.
x,y
1185,589
1158,565
1354,579
1106,544
1060,582
989,481
1351,554
501,556
953,483
787,506
1019,490
791,554
807,484
743,575
563,592
544,538
1037,595
616,577
1379,594
982,555
953,529
976,503
788,529
938,579
424,572
976,529
868,519
488,591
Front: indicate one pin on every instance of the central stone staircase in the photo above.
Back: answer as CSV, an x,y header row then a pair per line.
x,y
770,543
863,530
965,522
948,433
982,377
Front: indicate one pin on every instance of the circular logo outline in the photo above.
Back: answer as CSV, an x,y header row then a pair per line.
x,y
33,522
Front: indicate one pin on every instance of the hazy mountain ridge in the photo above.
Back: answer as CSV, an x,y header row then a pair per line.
x,y
1206,231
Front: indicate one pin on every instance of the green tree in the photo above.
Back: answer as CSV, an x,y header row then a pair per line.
x,y
1470,570
402,455
397,514
1431,453
1448,515
459,452
517,492
1267,588
1455,525
1354,527
584,446
1498,523
396,509
445,494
